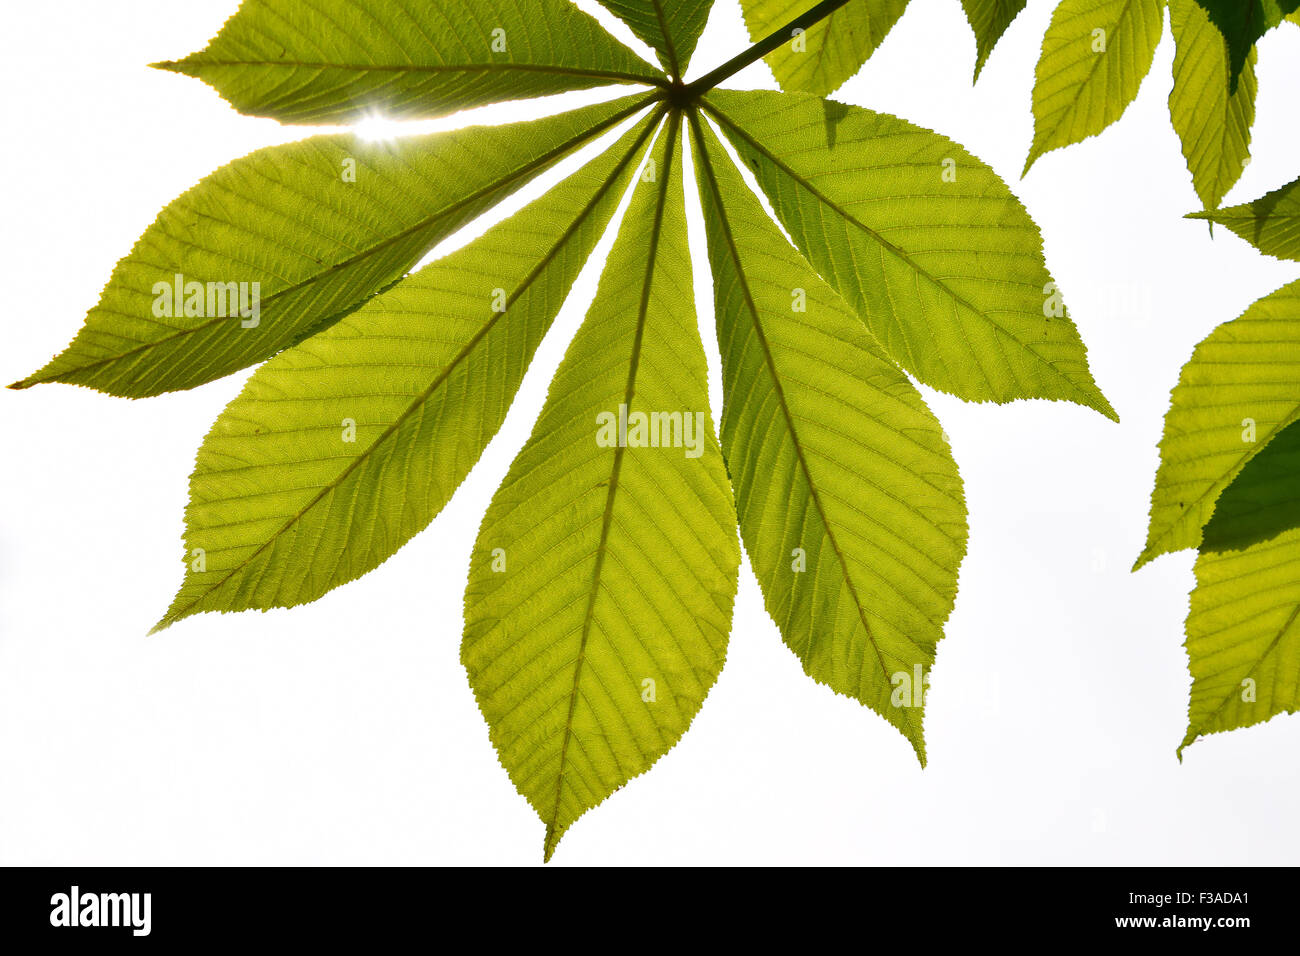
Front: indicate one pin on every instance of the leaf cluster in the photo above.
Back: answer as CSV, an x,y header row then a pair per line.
x,y
1096,54
1229,486
600,588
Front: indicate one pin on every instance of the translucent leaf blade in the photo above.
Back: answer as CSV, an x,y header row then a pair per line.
x,y
850,505
930,247
1233,397
670,27
822,58
600,591
1271,223
1095,56
1242,23
1263,500
290,224
1243,636
989,19
341,449
335,62
1213,125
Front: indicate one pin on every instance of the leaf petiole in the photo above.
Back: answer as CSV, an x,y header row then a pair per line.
x,y
762,48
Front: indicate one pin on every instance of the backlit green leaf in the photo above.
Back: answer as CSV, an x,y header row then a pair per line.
x,y
601,586
820,59
307,231
1212,124
671,27
1263,500
989,19
938,257
1270,223
1243,636
305,62
1095,55
1242,23
849,501
340,449
1238,391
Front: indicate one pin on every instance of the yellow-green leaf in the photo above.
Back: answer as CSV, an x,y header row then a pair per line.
x,y
989,19
601,585
300,235
1243,636
1271,223
940,260
821,58
1239,390
1095,55
850,503
1242,23
1212,124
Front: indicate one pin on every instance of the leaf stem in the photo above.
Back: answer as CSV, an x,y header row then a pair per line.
x,y
763,47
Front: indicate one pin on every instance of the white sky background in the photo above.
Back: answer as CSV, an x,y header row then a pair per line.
x,y
345,731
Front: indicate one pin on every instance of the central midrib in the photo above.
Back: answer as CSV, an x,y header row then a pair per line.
x,y
648,78
780,391
607,516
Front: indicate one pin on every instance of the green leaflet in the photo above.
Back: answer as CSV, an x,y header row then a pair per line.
x,y
828,53
1271,223
671,27
1228,483
1243,636
849,501
927,243
340,449
1213,124
1263,501
600,591
989,19
1242,23
1238,391
316,244
334,63
1095,55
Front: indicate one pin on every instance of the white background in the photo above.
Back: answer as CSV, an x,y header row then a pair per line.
x,y
345,731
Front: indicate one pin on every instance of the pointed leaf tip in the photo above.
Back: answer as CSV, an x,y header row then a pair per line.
x,y
826,55
1095,55
809,400
989,20
1270,223
599,599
